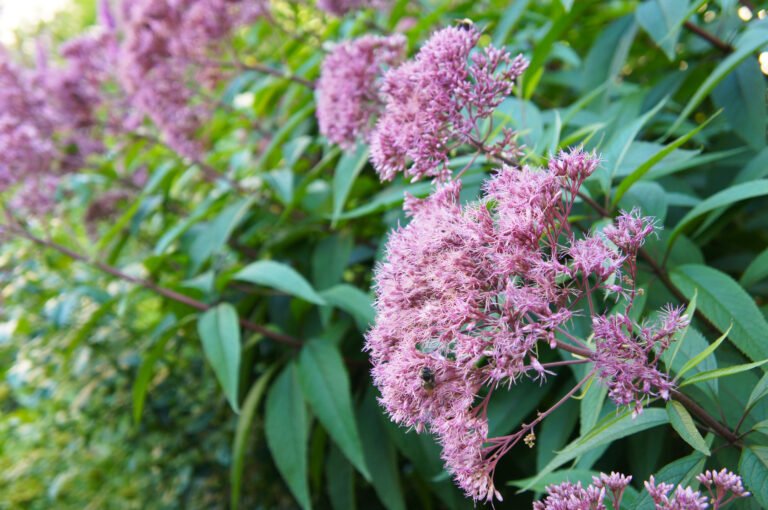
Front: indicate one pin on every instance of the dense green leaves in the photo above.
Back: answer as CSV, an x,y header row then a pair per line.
x,y
736,95
242,434
353,301
286,428
271,226
753,467
724,302
724,198
682,422
697,359
756,270
663,20
220,334
325,384
606,431
349,166
749,42
644,168
380,455
722,372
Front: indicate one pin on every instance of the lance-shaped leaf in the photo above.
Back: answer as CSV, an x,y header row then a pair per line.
x,y
220,333
281,277
325,384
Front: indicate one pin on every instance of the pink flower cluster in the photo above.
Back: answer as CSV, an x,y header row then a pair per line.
x,y
626,356
568,496
163,60
348,89
342,7
48,121
437,99
467,296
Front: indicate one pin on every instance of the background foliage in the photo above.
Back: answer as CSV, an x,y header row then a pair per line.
x,y
115,396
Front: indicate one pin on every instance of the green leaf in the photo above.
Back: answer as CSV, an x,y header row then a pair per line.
x,y
281,180
341,481
620,143
508,20
750,41
380,454
325,384
693,362
353,301
761,427
725,198
330,259
692,344
610,429
606,57
566,475
643,169
543,47
349,167
756,270
722,372
679,472
757,168
663,19
162,333
214,235
682,422
753,468
591,406
758,392
279,139
723,302
286,429
281,277
244,422
736,95
219,331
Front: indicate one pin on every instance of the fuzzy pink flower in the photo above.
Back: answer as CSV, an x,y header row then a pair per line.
x,y
468,295
569,496
341,7
347,91
720,484
683,498
627,355
163,61
436,99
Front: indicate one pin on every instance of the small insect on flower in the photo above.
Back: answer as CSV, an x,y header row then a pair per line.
x,y
465,24
427,379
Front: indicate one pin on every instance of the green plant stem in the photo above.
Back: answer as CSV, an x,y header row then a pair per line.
x,y
689,404
707,36
147,284
701,413
264,69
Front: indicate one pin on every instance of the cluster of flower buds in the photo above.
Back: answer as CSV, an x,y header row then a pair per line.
x,y
723,487
468,295
424,106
